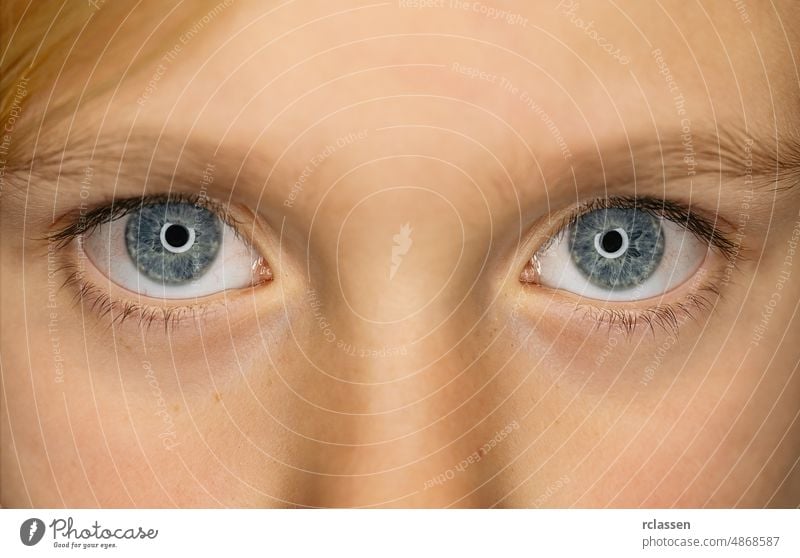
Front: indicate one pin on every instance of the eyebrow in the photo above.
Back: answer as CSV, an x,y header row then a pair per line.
x,y
729,154
701,160
734,154
156,161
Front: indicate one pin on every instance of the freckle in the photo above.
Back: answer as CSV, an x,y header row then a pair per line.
x,y
481,452
217,397
176,408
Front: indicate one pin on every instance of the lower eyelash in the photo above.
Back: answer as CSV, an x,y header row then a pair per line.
x,y
667,317
103,305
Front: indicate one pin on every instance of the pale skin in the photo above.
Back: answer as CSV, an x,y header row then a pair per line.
x,y
333,384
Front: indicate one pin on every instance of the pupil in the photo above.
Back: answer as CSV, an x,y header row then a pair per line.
x,y
611,241
177,236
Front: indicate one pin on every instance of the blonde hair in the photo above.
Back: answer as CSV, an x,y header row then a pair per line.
x,y
48,45
35,40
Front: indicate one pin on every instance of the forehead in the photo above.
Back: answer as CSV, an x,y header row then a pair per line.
x,y
301,57
479,86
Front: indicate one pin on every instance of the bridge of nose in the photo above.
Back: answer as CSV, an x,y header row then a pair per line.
x,y
390,251
393,330
399,344
411,413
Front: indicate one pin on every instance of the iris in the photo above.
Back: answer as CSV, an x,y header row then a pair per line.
x,y
173,242
617,248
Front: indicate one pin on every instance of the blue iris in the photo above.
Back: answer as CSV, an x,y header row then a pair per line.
x,y
617,248
173,242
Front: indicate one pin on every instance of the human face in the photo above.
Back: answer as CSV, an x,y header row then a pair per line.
x,y
383,335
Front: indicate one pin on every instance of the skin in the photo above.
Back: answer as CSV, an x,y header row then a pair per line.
x,y
253,404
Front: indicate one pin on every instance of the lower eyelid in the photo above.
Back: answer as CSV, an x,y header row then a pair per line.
x,y
114,309
668,312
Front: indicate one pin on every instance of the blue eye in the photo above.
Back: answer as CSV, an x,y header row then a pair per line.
x,y
618,253
174,249
617,248
173,243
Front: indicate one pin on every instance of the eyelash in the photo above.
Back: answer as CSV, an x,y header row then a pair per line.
x,y
101,302
84,224
97,298
679,214
667,317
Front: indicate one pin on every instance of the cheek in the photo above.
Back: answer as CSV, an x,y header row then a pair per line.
x,y
172,417
109,417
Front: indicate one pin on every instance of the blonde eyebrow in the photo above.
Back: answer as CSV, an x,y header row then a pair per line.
x,y
730,154
736,154
744,161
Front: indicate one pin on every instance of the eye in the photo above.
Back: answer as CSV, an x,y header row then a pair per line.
x,y
618,254
173,250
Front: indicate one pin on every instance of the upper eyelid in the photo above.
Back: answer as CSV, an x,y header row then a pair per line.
x,y
691,219
659,207
116,209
